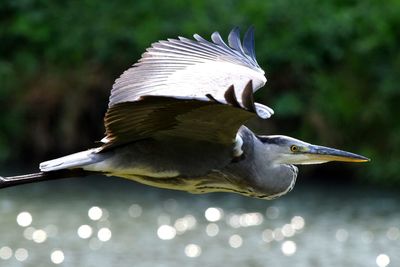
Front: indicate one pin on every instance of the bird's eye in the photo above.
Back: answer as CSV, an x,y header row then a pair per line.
x,y
294,148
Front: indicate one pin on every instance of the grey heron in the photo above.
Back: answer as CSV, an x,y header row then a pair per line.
x,y
176,118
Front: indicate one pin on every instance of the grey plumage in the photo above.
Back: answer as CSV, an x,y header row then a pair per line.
x,y
175,120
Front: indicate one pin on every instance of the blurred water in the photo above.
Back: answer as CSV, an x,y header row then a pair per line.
x,y
100,221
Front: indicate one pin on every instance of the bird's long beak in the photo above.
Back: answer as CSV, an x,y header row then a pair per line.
x,y
324,154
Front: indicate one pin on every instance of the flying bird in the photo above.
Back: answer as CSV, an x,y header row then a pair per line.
x,y
176,119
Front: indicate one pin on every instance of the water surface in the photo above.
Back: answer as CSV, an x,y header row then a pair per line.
x,y
100,221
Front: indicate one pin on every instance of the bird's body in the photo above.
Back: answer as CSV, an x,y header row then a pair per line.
x,y
159,164
175,120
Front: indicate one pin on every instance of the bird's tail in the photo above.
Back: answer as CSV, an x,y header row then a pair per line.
x,y
42,176
76,160
64,167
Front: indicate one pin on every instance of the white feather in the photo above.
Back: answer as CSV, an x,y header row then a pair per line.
x,y
75,160
189,68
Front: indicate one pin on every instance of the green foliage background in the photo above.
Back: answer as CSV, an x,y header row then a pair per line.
x,y
333,69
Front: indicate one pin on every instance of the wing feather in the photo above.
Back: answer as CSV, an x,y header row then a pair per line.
x,y
248,44
191,68
162,117
234,40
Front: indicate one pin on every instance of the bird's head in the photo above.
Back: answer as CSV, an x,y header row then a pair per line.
x,y
288,150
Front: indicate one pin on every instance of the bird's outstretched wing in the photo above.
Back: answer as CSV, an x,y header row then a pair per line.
x,y
185,119
192,68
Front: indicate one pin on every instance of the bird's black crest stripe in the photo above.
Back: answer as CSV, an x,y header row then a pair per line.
x,y
272,140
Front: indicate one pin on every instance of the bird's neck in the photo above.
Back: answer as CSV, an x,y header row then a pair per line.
x,y
257,169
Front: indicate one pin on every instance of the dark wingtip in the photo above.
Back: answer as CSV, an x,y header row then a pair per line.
x,y
234,40
235,46
247,97
230,97
209,96
248,43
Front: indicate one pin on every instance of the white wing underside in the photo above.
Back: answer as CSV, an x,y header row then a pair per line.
x,y
192,69
194,81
